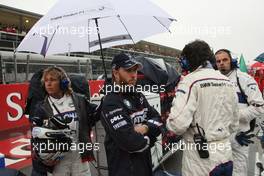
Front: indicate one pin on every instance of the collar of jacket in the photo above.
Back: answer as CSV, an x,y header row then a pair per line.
x,y
49,110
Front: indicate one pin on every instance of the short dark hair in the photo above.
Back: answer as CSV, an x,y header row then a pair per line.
x,y
197,53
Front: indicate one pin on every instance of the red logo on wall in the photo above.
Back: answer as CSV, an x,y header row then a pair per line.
x,y
13,98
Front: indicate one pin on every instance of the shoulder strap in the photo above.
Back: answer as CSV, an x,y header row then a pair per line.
x,y
56,108
241,90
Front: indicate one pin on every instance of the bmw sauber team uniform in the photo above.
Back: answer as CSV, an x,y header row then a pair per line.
x,y
207,98
128,152
250,106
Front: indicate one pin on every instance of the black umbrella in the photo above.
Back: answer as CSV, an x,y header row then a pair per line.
x,y
157,72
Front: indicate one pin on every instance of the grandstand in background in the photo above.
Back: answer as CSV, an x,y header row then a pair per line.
x,y
15,23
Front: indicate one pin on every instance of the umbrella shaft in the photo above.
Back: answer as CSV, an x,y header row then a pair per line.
x,y
101,49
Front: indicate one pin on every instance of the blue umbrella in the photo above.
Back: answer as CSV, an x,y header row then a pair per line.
x,y
260,58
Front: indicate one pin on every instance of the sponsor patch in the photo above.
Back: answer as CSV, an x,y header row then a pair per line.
x,y
139,116
116,118
212,84
114,111
119,124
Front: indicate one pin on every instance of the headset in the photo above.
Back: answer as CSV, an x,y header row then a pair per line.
x,y
64,82
234,63
184,63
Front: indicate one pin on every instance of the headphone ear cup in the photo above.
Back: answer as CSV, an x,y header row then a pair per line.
x,y
64,83
234,63
184,63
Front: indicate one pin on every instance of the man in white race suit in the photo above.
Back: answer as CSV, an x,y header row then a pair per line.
x,y
205,112
250,106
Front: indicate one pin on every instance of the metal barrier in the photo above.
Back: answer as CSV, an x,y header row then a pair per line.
x,y
19,67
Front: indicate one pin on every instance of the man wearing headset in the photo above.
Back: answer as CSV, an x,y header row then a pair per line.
x,y
250,107
62,109
205,112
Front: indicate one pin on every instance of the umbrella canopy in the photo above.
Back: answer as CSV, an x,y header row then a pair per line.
x,y
257,71
257,66
75,25
260,58
158,72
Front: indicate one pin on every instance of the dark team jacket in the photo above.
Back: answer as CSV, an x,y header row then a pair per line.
x,y
128,152
88,114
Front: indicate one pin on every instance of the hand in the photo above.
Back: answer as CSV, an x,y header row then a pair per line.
x,y
243,138
49,158
164,116
170,137
141,128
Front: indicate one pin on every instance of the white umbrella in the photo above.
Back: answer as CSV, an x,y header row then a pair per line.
x,y
89,25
